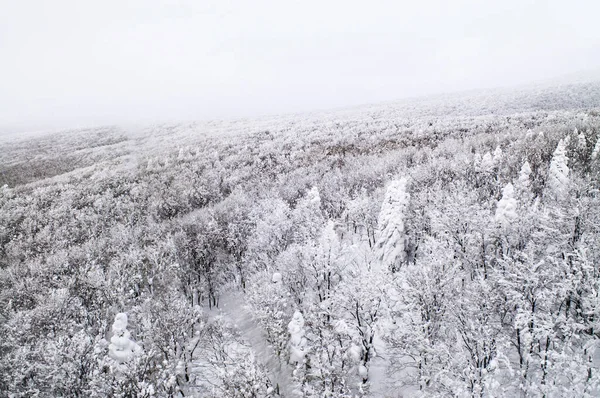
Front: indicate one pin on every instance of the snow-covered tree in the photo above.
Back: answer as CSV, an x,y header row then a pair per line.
x,y
477,161
596,150
298,350
234,369
581,142
497,158
269,298
4,194
244,378
122,348
326,265
297,342
487,163
361,217
418,332
307,217
558,173
313,275
523,186
390,225
524,176
506,210
272,234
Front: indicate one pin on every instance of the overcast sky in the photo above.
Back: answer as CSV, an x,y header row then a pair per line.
x,y
70,63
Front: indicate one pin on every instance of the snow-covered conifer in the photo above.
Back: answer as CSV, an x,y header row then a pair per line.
x,y
523,192
596,150
329,242
313,196
558,174
122,349
497,155
477,161
506,211
581,142
487,163
297,340
4,194
391,233
524,175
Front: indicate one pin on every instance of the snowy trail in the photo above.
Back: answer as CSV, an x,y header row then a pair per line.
x,y
232,308
378,370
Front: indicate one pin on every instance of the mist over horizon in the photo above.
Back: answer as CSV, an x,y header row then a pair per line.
x,y
67,64
591,75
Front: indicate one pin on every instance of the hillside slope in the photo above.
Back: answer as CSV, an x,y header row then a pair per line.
x,y
451,242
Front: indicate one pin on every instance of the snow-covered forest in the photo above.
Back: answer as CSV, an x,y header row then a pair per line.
x,y
440,247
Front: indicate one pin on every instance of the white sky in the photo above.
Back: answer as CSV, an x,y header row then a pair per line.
x,y
70,63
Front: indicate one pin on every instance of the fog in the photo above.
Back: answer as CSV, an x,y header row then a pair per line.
x,y
67,64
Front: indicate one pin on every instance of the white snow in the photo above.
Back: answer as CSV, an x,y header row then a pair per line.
x,y
363,372
378,370
355,352
276,277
